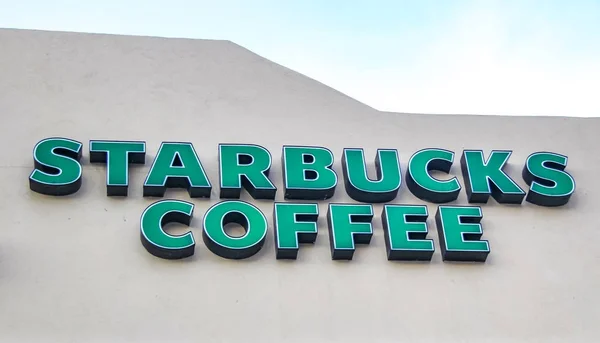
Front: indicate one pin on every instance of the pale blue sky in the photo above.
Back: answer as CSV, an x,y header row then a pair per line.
x,y
481,57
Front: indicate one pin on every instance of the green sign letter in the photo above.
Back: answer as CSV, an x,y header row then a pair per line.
x,y
294,224
423,185
57,170
177,166
308,173
245,165
156,240
460,231
549,183
238,212
117,155
358,185
405,231
485,178
348,225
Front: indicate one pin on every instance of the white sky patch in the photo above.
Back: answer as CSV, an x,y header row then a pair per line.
x,y
474,67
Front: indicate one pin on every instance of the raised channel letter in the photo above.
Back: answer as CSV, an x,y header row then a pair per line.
x,y
348,225
484,178
242,213
425,187
295,224
358,184
549,184
57,170
248,166
117,155
177,166
308,173
460,232
405,231
153,236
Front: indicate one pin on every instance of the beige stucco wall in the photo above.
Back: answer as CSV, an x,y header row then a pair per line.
x,y
73,269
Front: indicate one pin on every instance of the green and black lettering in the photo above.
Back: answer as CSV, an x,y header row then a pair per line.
x,y
177,166
239,212
358,185
117,155
420,182
295,224
485,178
248,166
405,231
308,173
57,170
154,238
348,225
460,232
549,184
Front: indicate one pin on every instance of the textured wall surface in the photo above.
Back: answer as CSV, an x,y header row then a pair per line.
x,y
73,269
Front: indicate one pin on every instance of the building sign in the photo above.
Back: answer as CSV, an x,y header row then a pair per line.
x,y
308,177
